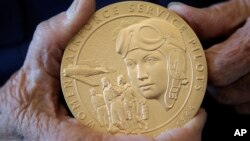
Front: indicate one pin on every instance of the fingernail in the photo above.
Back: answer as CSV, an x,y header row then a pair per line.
x,y
72,9
174,4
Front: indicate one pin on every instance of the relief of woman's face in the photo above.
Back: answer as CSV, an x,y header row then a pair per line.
x,y
148,72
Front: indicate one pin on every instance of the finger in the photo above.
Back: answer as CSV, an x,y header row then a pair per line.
x,y
76,131
126,138
198,122
243,108
190,132
82,132
215,20
229,60
51,36
233,94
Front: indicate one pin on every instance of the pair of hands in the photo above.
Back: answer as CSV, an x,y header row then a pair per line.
x,y
30,108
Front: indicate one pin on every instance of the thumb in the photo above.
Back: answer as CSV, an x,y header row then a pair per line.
x,y
215,20
198,122
52,36
189,132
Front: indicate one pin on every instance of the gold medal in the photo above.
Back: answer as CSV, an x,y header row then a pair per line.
x,y
134,68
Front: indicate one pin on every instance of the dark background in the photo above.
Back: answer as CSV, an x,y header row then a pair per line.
x,y
19,19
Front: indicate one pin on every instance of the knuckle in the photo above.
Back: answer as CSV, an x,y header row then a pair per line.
x,y
44,32
42,27
242,40
216,74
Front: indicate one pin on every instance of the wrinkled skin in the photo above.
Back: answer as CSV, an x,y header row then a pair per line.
x,y
30,108
229,60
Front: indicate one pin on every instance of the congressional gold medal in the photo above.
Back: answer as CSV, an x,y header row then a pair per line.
x,y
134,68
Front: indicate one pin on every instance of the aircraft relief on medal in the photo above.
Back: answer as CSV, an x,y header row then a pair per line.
x,y
84,72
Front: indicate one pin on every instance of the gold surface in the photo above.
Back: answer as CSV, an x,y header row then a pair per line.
x,y
134,68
